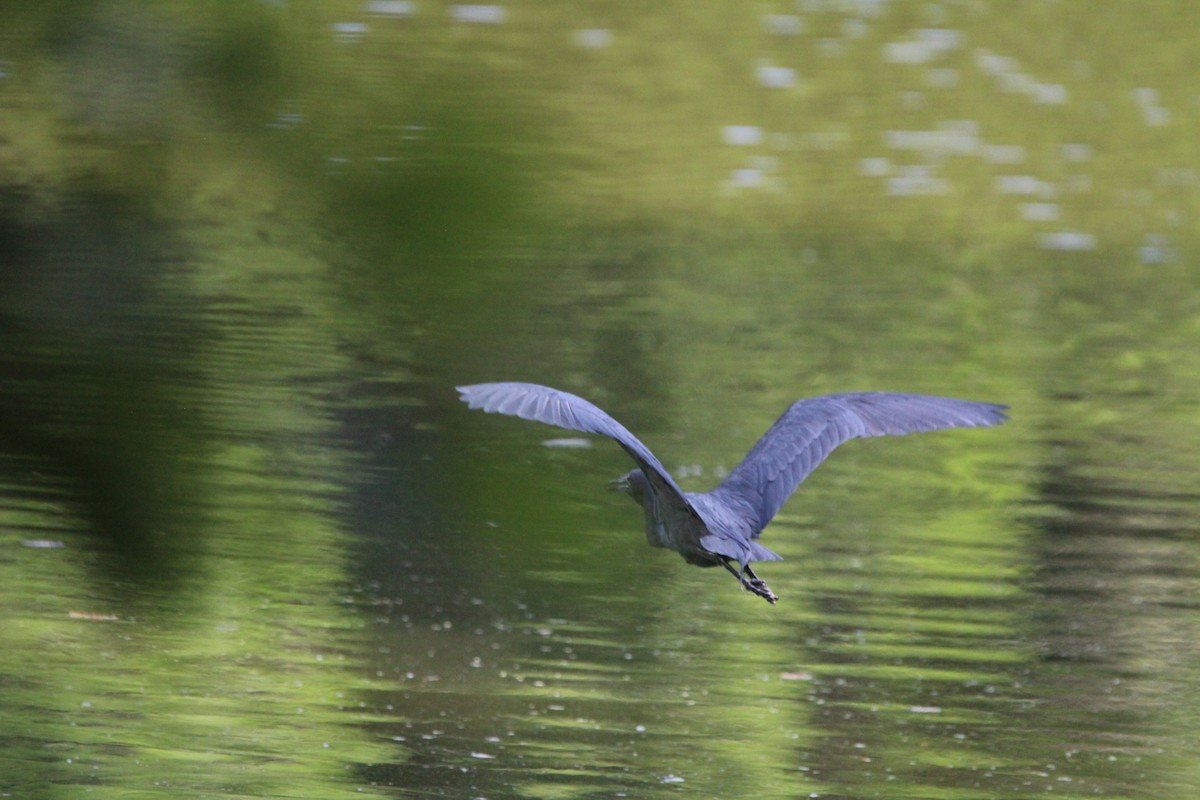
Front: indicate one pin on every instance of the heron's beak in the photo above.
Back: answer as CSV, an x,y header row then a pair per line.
x,y
620,484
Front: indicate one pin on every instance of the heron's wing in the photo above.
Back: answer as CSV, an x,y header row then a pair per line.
x,y
810,429
553,407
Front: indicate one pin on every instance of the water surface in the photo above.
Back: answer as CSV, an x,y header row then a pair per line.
x,y
253,545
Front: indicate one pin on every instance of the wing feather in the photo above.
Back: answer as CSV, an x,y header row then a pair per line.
x,y
810,430
564,410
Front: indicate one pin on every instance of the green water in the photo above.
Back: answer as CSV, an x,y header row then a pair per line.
x,y
251,545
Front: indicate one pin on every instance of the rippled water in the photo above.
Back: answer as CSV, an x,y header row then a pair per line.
x,y
252,545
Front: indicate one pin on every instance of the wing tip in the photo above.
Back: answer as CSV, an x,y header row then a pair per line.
x,y
997,414
467,394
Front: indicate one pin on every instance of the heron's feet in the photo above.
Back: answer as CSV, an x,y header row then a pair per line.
x,y
760,588
751,582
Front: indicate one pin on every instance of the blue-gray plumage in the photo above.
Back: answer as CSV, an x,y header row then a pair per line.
x,y
720,527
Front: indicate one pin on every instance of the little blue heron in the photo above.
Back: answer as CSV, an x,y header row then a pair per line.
x,y
721,527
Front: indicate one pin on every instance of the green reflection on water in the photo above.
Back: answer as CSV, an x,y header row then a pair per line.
x,y
244,687
966,615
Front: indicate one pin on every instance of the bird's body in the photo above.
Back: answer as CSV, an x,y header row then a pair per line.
x,y
721,527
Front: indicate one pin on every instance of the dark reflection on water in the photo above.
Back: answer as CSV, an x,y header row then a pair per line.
x,y
101,380
1116,627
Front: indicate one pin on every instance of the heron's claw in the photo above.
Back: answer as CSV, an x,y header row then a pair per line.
x,y
757,585
751,581
760,588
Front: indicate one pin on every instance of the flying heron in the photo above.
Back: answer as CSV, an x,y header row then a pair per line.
x,y
721,527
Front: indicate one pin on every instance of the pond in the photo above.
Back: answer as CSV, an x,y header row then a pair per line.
x,y
252,544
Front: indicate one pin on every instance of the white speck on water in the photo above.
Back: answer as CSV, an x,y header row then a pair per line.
x,y
1156,116
742,135
593,38
926,45
993,64
350,31
1016,83
1071,241
746,178
775,77
1075,152
950,138
1156,250
907,53
391,8
783,24
1023,184
568,443
874,167
1039,212
916,181
1145,96
1049,94
478,14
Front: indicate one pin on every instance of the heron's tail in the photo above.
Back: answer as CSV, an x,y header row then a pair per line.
x,y
760,553
739,550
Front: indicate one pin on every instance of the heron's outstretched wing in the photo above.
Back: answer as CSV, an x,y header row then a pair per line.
x,y
810,429
553,407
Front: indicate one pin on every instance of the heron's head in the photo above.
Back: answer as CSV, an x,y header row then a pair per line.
x,y
632,483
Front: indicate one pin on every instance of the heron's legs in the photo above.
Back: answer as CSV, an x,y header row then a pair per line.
x,y
750,581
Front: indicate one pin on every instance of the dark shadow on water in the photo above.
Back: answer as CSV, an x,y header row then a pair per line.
x,y
99,389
